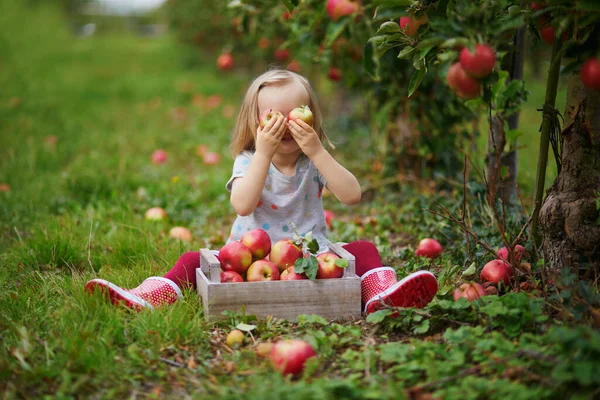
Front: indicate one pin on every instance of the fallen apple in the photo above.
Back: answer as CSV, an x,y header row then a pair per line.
x,y
329,216
327,268
430,248
259,243
284,254
156,214
519,252
180,233
235,339
262,270
211,158
264,349
496,271
235,256
302,113
289,356
159,157
470,291
290,275
231,277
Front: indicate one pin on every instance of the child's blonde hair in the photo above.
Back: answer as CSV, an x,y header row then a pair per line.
x,y
244,134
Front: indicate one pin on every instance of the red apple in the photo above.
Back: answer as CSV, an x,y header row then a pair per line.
x,y
290,275
340,8
159,157
267,115
181,233
286,15
335,74
590,74
4,187
294,66
262,270
462,84
470,291
235,256
284,253
289,356
235,339
259,243
231,277
547,33
411,25
536,6
211,158
327,268
496,271
282,54
263,43
225,61
329,216
519,252
430,248
302,113
156,214
480,63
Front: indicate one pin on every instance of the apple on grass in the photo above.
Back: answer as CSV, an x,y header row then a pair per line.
x,y
235,256
497,271
284,254
289,356
290,275
327,267
470,291
259,243
159,157
231,277
235,339
430,248
211,158
267,115
519,252
262,270
181,233
156,214
302,113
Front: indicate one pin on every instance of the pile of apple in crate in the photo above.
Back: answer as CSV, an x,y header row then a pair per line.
x,y
253,259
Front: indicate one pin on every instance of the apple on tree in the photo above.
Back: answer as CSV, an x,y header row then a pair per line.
x,y
411,25
341,8
302,113
461,83
262,270
480,63
590,74
225,61
235,256
335,74
289,356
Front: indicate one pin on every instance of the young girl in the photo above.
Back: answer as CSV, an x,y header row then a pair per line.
x,y
278,177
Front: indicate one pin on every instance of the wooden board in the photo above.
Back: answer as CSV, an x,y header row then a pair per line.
x,y
330,298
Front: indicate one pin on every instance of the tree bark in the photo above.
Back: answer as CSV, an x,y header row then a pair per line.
x,y
505,187
569,217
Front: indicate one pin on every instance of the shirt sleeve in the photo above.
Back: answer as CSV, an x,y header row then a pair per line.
x,y
240,166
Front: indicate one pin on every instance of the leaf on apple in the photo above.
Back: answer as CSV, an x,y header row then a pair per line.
x,y
308,266
245,327
313,246
340,262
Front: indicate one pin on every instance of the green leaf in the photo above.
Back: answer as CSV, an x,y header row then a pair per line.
x,y
304,319
388,28
378,316
422,328
393,2
300,265
313,268
471,270
370,62
415,80
335,29
340,262
245,327
290,4
308,237
406,52
313,246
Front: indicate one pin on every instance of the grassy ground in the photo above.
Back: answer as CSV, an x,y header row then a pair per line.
x,y
79,121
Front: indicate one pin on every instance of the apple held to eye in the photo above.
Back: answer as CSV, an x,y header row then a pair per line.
x,y
302,113
268,115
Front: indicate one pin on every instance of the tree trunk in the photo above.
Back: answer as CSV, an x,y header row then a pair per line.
x,y
505,187
569,217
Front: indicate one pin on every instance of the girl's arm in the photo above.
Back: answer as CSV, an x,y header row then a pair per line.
x,y
342,183
246,191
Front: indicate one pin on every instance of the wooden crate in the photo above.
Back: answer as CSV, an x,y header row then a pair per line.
x,y
330,298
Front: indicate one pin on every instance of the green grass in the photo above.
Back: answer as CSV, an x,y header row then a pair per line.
x,y
76,211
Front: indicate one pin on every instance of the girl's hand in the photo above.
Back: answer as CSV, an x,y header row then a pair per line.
x,y
306,137
269,137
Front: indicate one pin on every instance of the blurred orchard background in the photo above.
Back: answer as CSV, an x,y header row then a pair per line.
x,y
111,107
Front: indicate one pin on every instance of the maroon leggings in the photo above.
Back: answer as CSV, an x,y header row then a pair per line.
x,y
183,272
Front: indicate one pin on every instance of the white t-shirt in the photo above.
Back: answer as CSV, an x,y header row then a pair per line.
x,y
284,198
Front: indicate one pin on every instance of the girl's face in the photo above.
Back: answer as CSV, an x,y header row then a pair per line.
x,y
284,99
